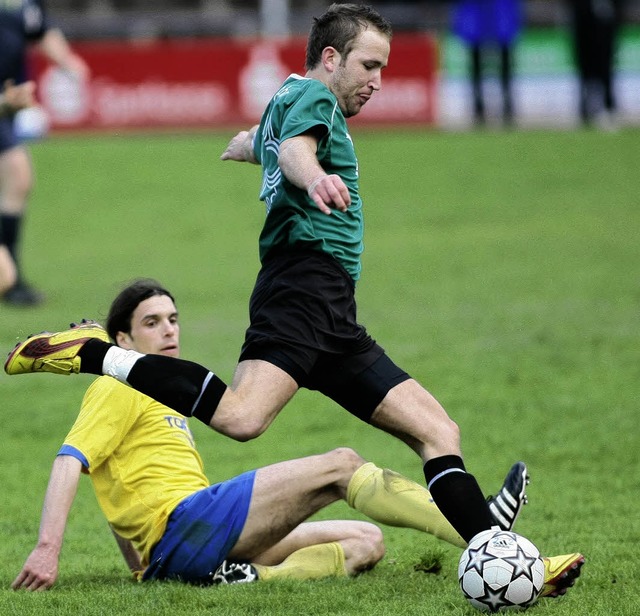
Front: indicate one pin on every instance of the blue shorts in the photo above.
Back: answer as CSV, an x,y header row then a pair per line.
x,y
201,531
8,137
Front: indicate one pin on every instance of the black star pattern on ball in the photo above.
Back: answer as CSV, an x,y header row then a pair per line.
x,y
494,599
478,557
522,563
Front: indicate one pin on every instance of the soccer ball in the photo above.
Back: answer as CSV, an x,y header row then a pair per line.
x,y
31,123
500,570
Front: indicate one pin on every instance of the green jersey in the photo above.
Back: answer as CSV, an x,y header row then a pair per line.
x,y
293,219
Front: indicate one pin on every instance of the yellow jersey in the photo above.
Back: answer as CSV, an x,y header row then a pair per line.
x,y
141,458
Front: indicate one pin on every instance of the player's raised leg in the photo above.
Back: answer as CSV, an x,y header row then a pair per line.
x,y
185,386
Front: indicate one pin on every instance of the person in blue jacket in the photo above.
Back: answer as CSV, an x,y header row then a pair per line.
x,y
489,27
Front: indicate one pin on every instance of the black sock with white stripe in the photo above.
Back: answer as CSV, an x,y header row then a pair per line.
x,y
458,496
182,385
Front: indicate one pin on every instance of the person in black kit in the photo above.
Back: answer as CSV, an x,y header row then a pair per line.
x,y
595,25
22,22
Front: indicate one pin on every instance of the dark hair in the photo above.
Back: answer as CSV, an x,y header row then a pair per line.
x,y
338,27
122,307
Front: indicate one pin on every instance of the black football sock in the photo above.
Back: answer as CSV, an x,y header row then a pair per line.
x,y
182,385
458,496
10,226
92,355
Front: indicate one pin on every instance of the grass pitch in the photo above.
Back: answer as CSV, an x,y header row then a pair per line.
x,y
501,269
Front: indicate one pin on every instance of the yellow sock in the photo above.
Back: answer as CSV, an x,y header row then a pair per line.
x,y
310,563
390,498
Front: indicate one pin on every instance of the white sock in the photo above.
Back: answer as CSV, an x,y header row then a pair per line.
x,y
118,362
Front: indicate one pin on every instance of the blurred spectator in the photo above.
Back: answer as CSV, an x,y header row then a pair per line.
x,y
489,27
12,99
21,23
595,25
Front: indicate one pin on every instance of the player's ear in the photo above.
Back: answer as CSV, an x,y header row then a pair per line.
x,y
123,340
330,58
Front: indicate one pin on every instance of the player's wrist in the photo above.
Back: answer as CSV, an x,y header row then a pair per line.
x,y
314,183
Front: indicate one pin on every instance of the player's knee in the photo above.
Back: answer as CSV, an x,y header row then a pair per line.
x,y
375,539
346,459
368,549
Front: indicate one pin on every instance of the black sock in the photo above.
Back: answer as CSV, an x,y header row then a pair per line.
x,y
92,355
458,496
184,386
10,229
10,225
211,396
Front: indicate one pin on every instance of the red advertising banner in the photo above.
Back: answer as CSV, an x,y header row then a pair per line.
x,y
216,82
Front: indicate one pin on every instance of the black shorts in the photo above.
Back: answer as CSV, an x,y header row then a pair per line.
x,y
8,137
303,320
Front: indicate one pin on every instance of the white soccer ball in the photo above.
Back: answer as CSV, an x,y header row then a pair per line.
x,y
500,570
31,123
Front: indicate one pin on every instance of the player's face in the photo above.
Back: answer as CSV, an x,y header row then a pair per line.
x,y
154,328
359,75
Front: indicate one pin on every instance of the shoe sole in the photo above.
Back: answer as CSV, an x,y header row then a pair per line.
x,y
566,578
38,351
20,347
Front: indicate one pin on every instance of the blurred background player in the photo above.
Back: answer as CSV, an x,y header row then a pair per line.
x,y
23,22
489,29
595,27
12,99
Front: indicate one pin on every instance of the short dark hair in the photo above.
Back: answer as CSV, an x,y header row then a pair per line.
x,y
123,306
339,26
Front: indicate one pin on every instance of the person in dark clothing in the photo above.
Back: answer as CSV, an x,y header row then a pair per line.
x,y
489,27
595,25
22,23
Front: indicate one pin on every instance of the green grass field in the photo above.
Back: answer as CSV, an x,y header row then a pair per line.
x,y
501,269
